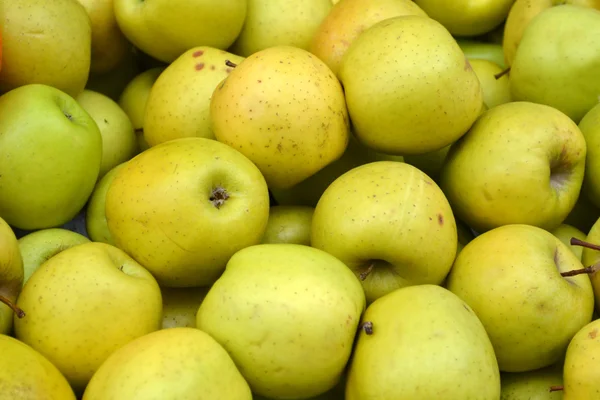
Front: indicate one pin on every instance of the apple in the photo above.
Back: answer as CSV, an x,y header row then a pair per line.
x,y
11,278
520,163
496,91
39,246
180,306
289,224
478,50
533,385
287,314
565,232
165,29
590,127
580,378
45,42
50,154
390,224
85,303
517,280
184,207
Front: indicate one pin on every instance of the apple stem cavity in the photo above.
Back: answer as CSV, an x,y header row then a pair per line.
x,y
363,275
230,64
20,313
367,327
556,388
501,74
587,270
578,242
218,196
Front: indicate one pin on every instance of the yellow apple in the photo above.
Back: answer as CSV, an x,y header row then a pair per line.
x,y
289,224
565,232
495,91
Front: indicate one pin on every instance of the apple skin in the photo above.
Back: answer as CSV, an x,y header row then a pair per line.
x,y
580,380
389,215
11,275
289,224
590,127
565,232
159,209
533,385
477,50
165,29
45,42
39,246
591,257
495,91
119,143
83,304
180,306
26,374
511,277
520,163
53,149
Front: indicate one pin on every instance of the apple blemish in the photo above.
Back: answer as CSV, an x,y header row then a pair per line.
x,y
219,196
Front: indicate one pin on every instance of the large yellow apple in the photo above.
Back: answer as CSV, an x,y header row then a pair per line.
x,y
179,100
165,29
183,207
46,42
284,109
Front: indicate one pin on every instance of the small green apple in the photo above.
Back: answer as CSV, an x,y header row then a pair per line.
x,y
495,90
289,224
565,232
477,50
532,385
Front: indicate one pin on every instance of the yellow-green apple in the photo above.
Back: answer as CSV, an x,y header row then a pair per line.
x,y
289,116
47,42
113,82
350,18
119,143
421,342
165,29
289,224
580,378
496,91
50,154
184,207
408,86
520,15
25,374
180,306
134,98
95,211
171,364
179,101
271,23
390,224
39,246
465,18
11,277
565,232
83,304
287,314
590,127
521,162
109,45
532,385
518,279
590,257
478,50
556,62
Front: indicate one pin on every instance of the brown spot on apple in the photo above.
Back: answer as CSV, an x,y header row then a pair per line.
x,y
593,334
198,53
440,219
468,66
228,70
212,67
199,66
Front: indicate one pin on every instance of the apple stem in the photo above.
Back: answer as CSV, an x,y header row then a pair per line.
x,y
501,74
363,275
367,327
577,242
20,313
556,388
587,270
230,64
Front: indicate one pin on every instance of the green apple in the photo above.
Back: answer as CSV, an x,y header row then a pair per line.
x,y
478,50
581,379
289,116
180,306
113,82
422,342
556,62
565,232
46,42
109,45
496,91
165,29
26,374
134,98
39,246
408,86
590,127
512,277
95,212
532,385
289,224
50,154
11,278
466,18
520,163
184,207
350,18
287,314
119,143
179,101
172,364
83,304
390,224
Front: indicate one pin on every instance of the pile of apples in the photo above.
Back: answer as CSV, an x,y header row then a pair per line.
x,y
308,199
